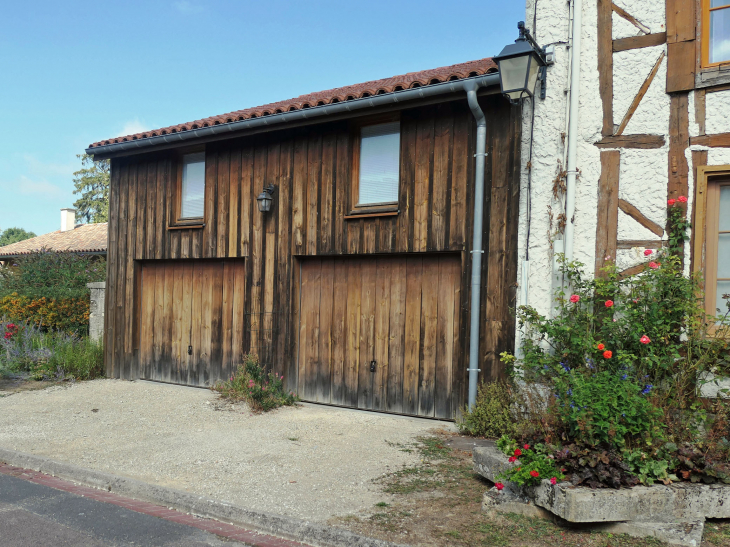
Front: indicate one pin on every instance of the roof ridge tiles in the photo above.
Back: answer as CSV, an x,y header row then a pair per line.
x,y
457,71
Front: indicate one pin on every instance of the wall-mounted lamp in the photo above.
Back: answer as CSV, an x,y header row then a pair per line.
x,y
522,65
264,200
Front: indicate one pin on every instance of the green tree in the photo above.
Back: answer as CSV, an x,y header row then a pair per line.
x,y
92,182
13,235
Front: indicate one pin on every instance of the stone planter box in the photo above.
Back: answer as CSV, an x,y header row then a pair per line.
x,y
675,513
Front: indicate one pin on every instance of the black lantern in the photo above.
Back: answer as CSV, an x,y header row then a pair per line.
x,y
520,66
264,200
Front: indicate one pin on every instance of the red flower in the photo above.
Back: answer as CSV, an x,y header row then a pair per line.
x,y
534,474
609,303
671,201
607,354
601,347
512,459
647,252
553,481
518,452
645,339
526,447
574,298
682,199
8,335
499,486
653,265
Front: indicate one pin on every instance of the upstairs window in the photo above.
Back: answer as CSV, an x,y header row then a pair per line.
x,y
192,187
378,170
715,32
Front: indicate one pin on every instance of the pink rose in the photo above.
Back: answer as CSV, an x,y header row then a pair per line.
x,y
554,481
682,199
645,339
574,298
609,303
647,252
499,486
671,202
653,265
512,459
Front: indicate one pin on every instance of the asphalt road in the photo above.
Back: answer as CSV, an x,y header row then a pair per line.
x,y
36,515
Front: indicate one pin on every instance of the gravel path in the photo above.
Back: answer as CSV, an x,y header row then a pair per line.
x,y
310,462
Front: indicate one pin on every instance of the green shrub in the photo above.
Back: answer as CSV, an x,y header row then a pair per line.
x,y
52,275
623,359
492,414
251,383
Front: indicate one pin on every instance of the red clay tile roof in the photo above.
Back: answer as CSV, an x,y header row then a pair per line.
x,y
85,238
340,94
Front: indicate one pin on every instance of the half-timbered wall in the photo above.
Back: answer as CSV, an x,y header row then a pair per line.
x,y
649,116
310,168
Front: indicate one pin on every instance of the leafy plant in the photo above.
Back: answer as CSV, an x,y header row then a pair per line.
x,y
492,414
13,235
595,467
532,464
261,390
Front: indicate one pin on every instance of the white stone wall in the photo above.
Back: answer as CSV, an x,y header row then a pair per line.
x,y
643,173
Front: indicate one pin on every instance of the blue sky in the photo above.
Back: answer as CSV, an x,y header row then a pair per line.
x,y
77,72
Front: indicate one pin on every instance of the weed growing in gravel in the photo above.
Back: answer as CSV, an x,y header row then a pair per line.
x,y
251,383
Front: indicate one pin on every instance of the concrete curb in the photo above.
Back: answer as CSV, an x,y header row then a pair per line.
x,y
314,534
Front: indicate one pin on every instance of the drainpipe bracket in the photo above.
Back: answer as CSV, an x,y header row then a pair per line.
x,y
485,154
471,369
472,252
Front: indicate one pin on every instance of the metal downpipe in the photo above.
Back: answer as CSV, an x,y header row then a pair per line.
x,y
570,182
477,251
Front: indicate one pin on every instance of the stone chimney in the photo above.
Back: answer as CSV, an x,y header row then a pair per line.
x,y
68,219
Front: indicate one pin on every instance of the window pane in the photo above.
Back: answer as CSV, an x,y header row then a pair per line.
x,y
723,256
725,208
719,3
723,287
720,35
379,163
193,186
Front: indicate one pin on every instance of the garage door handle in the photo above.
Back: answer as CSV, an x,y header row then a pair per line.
x,y
372,366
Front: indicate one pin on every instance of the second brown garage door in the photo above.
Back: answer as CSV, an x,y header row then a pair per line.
x,y
380,333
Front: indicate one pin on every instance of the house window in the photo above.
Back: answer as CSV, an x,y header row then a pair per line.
x,y
192,187
717,250
716,31
377,167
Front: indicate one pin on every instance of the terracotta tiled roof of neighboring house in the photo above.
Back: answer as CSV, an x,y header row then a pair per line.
x,y
84,238
340,94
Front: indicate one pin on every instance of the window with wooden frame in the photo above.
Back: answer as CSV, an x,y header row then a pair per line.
x,y
376,168
190,190
712,233
715,32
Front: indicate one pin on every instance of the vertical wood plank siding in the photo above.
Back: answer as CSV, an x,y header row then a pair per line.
x,y
311,169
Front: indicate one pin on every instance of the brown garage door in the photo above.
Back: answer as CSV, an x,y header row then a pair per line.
x,y
191,320
380,333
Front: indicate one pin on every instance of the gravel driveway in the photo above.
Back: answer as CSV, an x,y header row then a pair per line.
x,y
311,462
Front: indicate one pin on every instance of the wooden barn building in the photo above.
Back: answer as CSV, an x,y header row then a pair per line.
x,y
356,283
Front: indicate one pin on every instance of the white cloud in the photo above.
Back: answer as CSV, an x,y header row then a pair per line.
x,y
132,127
34,187
187,7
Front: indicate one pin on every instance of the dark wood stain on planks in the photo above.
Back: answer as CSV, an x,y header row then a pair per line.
x,y
311,169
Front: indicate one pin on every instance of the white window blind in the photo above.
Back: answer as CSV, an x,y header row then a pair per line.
x,y
193,186
379,163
